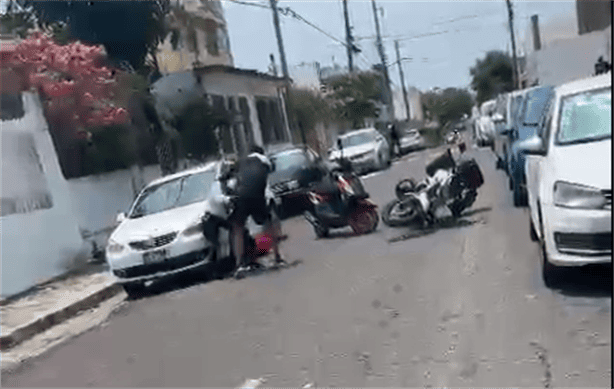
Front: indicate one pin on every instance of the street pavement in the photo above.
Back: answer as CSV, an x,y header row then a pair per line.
x,y
462,306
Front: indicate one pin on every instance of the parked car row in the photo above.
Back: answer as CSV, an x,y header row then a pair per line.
x,y
555,145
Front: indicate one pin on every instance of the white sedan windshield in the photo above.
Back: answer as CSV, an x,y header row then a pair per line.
x,y
173,194
586,117
357,139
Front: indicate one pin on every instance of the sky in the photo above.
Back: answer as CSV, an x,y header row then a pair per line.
x,y
468,30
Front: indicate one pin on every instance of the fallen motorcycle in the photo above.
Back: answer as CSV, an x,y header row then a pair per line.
x,y
448,184
339,200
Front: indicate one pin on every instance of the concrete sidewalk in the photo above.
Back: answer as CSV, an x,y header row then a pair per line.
x,y
52,304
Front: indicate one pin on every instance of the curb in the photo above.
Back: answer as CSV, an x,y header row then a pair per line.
x,y
43,323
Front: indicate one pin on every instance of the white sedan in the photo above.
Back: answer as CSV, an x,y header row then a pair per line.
x,y
569,177
366,149
162,234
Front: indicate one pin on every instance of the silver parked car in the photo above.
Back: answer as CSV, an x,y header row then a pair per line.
x,y
411,140
366,149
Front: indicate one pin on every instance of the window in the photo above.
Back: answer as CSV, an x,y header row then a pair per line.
x,y
537,102
290,160
174,194
358,139
211,29
585,117
24,184
11,106
247,124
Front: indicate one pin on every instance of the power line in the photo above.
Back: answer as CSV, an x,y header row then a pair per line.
x,y
287,11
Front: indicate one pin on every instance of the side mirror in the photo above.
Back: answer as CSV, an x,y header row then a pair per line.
x,y
532,146
339,144
120,217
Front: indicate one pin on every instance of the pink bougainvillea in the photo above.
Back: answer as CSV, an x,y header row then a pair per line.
x,y
71,79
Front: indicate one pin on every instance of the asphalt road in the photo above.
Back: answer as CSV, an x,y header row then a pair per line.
x,y
462,306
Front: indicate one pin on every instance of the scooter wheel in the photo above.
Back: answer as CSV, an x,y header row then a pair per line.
x,y
375,218
321,232
362,222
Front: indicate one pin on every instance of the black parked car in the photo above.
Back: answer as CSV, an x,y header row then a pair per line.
x,y
295,169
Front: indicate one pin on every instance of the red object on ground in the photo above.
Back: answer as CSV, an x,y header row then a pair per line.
x,y
263,243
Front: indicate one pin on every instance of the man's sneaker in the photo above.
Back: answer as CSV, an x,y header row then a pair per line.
x,y
240,272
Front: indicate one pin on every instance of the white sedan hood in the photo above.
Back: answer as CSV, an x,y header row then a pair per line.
x,y
586,164
173,220
354,150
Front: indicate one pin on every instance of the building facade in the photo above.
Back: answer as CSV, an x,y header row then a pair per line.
x,y
569,47
253,101
593,15
196,63
198,37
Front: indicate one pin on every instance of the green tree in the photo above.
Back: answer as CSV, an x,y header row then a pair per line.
x,y
492,75
305,110
449,105
355,97
129,30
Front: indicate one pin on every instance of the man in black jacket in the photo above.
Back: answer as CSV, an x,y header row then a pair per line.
x,y
252,174
395,144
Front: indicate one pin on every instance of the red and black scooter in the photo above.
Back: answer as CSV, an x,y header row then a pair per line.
x,y
339,199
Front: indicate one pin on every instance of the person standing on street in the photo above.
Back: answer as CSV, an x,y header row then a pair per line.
x,y
252,175
395,147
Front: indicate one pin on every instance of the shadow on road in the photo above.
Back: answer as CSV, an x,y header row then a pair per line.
x,y
587,281
475,211
442,224
224,271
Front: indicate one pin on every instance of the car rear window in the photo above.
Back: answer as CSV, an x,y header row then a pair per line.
x,y
585,117
289,160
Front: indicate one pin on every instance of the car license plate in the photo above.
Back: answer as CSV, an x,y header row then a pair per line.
x,y
155,256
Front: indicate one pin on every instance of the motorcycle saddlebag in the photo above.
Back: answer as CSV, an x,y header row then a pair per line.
x,y
470,171
444,162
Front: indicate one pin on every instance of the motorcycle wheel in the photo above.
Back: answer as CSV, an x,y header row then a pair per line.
x,y
398,213
362,222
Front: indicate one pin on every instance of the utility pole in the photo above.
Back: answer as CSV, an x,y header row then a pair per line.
x,y
348,36
280,42
510,14
396,46
285,93
382,54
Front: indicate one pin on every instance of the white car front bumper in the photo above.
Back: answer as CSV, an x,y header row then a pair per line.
x,y
184,253
576,237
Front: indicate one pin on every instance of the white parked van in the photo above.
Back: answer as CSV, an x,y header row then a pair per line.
x,y
569,177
